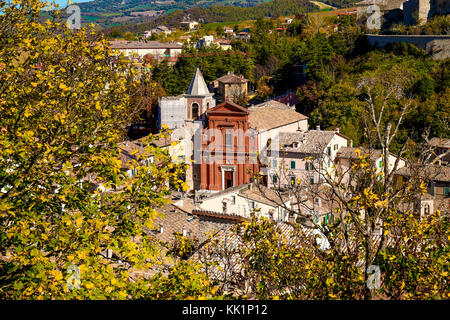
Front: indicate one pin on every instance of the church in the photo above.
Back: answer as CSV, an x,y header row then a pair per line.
x,y
177,112
218,163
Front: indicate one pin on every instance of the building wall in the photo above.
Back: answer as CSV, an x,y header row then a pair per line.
x,y
227,159
172,112
282,167
229,90
420,41
204,104
158,53
265,135
416,11
241,206
343,166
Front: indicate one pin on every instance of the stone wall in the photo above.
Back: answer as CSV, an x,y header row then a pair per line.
x,y
424,42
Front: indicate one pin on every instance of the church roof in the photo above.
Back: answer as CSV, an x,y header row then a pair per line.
x,y
226,107
198,85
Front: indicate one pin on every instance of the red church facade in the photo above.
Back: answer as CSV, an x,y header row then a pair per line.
x,y
229,148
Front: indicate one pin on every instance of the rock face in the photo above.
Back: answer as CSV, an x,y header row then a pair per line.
x,y
439,49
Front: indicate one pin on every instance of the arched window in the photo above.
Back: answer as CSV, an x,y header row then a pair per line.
x,y
195,111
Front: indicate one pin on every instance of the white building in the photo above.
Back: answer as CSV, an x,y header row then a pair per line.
x,y
205,41
190,25
139,49
158,30
246,199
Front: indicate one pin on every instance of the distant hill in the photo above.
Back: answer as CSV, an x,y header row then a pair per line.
x,y
110,13
274,8
107,13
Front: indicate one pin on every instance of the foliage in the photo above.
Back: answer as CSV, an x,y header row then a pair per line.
x,y
274,9
64,197
212,61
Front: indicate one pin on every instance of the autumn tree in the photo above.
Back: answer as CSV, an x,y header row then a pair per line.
x,y
71,220
372,226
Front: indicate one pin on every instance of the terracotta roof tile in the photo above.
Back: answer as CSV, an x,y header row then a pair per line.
x,y
310,142
231,78
272,114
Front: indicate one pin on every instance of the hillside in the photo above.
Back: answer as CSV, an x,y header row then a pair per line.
x,y
108,13
227,14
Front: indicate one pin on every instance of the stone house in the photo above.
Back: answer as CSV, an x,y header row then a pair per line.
x,y
305,155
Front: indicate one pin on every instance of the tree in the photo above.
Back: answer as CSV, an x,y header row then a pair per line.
x,y
219,30
263,88
371,222
129,36
64,199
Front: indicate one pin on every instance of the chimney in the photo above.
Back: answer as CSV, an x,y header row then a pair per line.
x,y
351,143
184,232
161,229
337,130
318,127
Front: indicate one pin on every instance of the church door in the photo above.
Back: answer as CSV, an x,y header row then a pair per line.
x,y
228,179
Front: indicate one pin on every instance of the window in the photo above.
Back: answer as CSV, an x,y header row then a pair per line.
x,y
309,166
292,180
275,163
329,163
447,191
292,164
427,209
195,111
233,199
228,139
269,148
252,205
336,147
311,180
274,179
329,151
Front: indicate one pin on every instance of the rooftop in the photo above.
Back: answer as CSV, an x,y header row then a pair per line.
x,y
383,4
350,153
198,85
312,141
130,151
434,173
440,143
123,44
272,114
232,78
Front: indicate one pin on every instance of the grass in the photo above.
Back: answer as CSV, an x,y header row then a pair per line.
x,y
322,5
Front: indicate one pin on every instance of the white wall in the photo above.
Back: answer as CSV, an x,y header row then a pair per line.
x,y
241,206
172,112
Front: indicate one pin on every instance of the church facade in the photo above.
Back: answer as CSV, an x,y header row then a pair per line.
x,y
228,149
